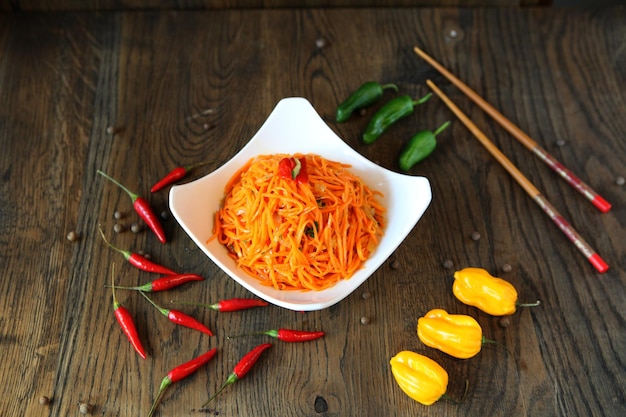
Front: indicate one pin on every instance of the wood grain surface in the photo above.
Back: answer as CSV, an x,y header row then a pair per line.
x,y
178,88
111,5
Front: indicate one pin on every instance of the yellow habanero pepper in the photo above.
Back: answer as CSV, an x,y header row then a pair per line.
x,y
457,335
420,377
495,296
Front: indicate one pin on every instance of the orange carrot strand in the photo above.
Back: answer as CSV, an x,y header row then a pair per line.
x,y
299,236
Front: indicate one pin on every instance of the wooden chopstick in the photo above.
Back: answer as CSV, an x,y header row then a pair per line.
x,y
600,203
554,215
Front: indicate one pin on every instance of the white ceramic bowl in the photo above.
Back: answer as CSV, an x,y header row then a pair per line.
x,y
295,127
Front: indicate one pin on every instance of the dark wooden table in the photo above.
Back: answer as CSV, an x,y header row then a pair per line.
x,y
183,87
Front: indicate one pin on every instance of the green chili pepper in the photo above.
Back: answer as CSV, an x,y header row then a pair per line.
x,y
365,95
390,113
419,147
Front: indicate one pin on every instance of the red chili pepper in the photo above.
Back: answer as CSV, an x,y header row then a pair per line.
x,y
292,336
178,317
285,168
233,304
165,283
242,368
139,261
237,304
181,372
126,323
293,168
287,335
142,207
303,175
174,175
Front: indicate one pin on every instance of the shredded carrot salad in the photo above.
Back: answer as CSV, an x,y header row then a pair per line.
x,y
299,236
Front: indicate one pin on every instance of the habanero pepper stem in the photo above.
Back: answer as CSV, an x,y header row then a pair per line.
x,y
447,398
178,317
137,260
396,109
181,372
165,283
366,95
496,296
174,175
286,335
242,368
143,209
229,305
126,322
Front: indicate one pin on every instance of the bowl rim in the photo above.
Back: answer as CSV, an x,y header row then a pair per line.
x,y
297,115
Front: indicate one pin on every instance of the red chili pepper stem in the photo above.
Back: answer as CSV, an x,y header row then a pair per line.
x,y
142,207
232,378
211,306
175,175
242,368
125,321
180,372
127,254
233,304
163,311
142,288
132,195
178,317
137,260
165,383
